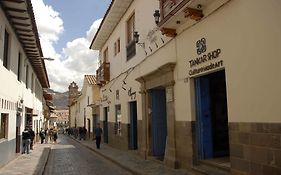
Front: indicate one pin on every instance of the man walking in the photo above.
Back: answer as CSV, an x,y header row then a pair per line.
x,y
32,135
26,137
42,135
98,133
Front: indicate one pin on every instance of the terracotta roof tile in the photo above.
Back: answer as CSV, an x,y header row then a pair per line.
x,y
91,79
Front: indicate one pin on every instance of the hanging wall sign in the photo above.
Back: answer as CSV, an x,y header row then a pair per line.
x,y
203,57
132,94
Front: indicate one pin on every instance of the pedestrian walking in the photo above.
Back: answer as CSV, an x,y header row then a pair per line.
x,y
47,135
80,133
84,133
55,135
26,137
32,134
98,133
42,135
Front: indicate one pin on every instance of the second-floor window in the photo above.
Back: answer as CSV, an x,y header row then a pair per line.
x,y
130,29
19,67
6,49
105,56
117,46
32,82
26,76
131,45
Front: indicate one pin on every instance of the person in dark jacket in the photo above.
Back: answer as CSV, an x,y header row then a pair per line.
x,y
26,138
98,133
32,134
55,135
42,135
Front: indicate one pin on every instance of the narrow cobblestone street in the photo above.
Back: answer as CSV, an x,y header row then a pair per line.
x,y
71,158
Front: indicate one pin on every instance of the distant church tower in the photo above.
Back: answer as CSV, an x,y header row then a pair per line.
x,y
72,92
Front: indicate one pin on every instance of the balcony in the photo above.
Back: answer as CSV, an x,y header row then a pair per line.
x,y
131,50
176,12
103,73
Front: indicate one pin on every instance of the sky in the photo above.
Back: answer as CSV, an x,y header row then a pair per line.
x,y
66,29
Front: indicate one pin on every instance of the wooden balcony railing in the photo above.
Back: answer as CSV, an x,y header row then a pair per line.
x,y
103,73
173,10
131,50
167,6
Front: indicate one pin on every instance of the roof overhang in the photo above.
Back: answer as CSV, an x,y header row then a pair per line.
x,y
113,15
21,17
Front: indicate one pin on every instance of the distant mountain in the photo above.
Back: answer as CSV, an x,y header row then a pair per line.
x,y
60,100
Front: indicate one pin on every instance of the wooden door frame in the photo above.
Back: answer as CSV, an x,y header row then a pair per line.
x,y
163,76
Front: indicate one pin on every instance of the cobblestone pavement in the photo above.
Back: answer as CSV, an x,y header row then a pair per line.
x,y
70,158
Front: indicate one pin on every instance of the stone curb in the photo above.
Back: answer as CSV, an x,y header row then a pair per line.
x,y
134,171
43,161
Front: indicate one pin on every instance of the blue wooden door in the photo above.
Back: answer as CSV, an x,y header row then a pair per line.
x,y
158,122
133,140
204,118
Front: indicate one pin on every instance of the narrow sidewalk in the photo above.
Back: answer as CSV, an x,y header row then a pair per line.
x,y
132,162
28,164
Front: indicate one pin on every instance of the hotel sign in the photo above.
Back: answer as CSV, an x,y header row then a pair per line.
x,y
204,57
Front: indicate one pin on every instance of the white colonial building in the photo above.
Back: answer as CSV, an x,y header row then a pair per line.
x,y
199,90
22,75
85,104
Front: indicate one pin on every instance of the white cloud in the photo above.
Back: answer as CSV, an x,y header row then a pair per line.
x,y
75,60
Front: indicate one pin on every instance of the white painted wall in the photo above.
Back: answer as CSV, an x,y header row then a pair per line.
x,y
249,40
12,89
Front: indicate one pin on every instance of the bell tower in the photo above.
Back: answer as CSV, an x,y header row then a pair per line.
x,y
72,92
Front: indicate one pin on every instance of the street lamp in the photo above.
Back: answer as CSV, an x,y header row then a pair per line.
x,y
156,16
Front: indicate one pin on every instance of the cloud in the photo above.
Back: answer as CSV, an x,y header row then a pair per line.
x,y
75,60
93,29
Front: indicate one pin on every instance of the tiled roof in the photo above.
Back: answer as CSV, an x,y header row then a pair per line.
x,y
91,79
21,17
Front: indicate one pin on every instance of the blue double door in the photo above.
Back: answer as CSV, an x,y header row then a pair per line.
x,y
211,116
158,122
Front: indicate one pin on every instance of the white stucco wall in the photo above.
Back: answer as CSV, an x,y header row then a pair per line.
x,y
248,38
249,41
11,89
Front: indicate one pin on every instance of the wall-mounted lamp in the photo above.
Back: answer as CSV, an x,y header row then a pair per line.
x,y
156,16
136,38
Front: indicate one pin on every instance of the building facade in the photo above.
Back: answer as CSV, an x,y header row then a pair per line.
x,y
198,89
22,75
83,110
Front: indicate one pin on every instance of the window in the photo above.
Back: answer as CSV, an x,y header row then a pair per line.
x,y
118,118
105,56
26,76
19,66
117,46
4,126
88,100
130,28
32,82
6,49
131,45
